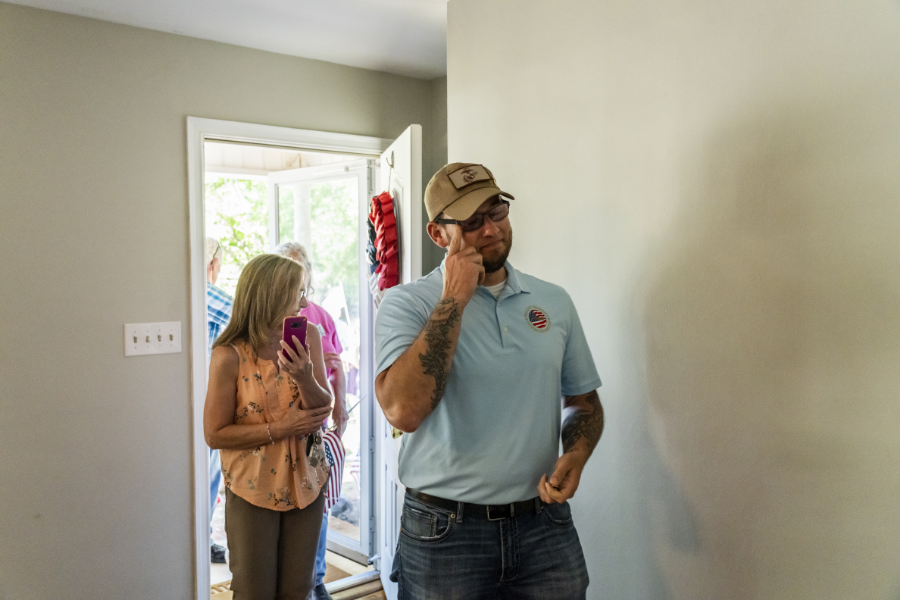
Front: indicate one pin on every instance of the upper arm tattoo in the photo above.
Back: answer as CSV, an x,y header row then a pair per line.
x,y
437,338
584,424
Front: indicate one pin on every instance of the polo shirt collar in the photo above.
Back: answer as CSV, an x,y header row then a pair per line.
x,y
513,283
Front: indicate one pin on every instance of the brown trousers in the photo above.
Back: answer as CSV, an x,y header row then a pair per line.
x,y
272,553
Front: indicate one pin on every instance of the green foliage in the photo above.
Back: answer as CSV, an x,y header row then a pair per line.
x,y
237,216
285,213
335,240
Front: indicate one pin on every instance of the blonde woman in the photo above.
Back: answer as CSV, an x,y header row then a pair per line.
x,y
264,411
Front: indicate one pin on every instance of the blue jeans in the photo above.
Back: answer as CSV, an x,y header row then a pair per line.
x,y
320,553
215,478
442,555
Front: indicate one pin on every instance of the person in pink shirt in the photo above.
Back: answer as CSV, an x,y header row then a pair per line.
x,y
331,346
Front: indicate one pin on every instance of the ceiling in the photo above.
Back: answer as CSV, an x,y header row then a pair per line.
x,y
406,37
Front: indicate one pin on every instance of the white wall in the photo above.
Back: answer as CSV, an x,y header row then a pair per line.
x,y
95,476
716,184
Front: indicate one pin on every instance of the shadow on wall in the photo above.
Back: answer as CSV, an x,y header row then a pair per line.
x,y
772,343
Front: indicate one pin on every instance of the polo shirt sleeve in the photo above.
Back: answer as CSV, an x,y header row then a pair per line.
x,y
579,373
398,322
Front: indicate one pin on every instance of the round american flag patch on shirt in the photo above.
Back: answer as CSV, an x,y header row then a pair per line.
x,y
537,318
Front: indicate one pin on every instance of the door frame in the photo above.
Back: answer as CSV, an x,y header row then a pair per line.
x,y
199,131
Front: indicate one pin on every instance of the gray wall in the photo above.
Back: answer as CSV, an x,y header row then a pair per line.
x,y
95,481
435,158
716,184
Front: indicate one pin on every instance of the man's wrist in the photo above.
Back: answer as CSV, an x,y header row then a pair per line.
x,y
579,454
449,301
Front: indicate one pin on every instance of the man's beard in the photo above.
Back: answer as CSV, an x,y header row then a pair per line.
x,y
492,266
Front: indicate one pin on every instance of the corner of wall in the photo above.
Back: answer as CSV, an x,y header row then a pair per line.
x,y
435,158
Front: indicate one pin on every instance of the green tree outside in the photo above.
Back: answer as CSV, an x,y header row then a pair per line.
x,y
335,241
237,216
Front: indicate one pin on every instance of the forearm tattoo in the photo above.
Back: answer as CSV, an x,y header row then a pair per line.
x,y
437,338
583,424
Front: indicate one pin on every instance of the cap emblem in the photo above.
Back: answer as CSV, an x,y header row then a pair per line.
x,y
468,175
537,318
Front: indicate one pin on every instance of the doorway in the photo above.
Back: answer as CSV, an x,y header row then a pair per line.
x,y
286,180
257,198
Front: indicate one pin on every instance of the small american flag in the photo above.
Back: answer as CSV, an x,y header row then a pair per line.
x,y
333,487
537,318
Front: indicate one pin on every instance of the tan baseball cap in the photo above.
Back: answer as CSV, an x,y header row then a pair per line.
x,y
458,189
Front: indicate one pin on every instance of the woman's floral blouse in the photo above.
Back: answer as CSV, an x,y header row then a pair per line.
x,y
278,476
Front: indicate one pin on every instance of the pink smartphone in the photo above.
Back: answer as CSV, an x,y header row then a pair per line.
x,y
294,326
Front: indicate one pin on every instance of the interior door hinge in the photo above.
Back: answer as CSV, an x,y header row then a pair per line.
x,y
373,185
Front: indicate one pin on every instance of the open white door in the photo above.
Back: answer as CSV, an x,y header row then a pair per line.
x,y
401,175
339,193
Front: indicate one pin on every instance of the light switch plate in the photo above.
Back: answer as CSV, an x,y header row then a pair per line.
x,y
152,338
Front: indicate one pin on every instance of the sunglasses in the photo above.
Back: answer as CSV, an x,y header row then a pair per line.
x,y
497,213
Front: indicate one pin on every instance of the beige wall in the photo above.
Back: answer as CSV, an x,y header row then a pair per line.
x,y
95,481
716,184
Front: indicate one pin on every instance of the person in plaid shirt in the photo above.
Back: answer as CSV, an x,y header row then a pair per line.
x,y
218,302
218,313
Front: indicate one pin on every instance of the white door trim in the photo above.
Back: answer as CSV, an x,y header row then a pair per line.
x,y
404,182
200,130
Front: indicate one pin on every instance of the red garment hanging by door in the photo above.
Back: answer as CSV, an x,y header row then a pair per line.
x,y
386,247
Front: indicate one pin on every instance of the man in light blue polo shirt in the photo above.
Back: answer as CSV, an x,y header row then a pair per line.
x,y
485,369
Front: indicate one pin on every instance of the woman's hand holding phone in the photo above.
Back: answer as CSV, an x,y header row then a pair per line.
x,y
296,363
303,363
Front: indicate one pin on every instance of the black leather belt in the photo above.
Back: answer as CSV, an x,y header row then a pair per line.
x,y
493,512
